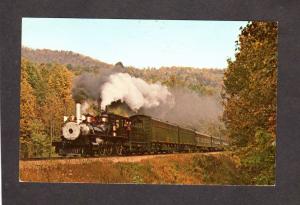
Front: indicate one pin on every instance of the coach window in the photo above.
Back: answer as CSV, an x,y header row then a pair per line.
x,y
138,124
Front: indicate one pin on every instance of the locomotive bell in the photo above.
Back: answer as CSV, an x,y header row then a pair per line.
x,y
71,131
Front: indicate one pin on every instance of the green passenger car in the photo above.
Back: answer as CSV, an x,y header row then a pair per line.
x,y
148,134
187,136
148,130
164,133
203,140
141,129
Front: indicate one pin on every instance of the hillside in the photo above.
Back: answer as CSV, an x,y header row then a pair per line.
x,y
74,61
203,80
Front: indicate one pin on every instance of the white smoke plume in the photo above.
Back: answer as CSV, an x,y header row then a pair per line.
x,y
190,109
135,92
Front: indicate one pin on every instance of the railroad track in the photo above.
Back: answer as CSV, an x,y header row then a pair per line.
x,y
112,156
72,157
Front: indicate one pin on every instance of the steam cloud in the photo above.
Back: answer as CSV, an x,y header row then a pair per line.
x,y
113,85
135,92
119,89
87,86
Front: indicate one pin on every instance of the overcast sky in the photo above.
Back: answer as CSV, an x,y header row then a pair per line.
x,y
139,43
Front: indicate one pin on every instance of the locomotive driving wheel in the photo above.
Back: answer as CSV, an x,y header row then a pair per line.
x,y
119,149
101,150
83,152
109,149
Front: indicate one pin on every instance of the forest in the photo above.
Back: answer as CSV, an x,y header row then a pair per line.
x,y
246,89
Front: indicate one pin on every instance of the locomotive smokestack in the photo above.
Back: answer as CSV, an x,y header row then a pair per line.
x,y
99,100
78,114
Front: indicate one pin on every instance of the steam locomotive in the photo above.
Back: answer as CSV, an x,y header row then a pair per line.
x,y
111,134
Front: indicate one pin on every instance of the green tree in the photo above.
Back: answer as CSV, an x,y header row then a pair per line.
x,y
258,160
250,84
36,76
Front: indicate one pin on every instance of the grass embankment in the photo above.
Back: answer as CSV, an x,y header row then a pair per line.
x,y
217,168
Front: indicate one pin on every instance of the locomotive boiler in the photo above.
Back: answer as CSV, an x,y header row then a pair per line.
x,y
86,134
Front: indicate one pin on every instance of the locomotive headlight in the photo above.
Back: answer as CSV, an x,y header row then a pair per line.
x,y
71,131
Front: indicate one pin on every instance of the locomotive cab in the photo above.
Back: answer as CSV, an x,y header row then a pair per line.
x,y
104,118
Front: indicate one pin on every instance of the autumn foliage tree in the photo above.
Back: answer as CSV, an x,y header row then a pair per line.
x,y
250,84
32,135
58,100
45,97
